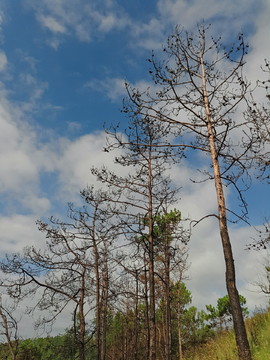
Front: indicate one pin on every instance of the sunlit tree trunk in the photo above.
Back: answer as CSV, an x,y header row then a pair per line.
x,y
104,304
238,321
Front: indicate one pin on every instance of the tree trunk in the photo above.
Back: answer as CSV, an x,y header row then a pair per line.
x,y
167,294
238,321
147,347
136,319
151,264
13,355
123,341
125,321
104,305
82,319
179,322
97,289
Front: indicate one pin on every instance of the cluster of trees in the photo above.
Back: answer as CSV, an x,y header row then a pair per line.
x,y
123,255
197,327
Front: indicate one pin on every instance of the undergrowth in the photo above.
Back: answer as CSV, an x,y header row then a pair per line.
x,y
223,346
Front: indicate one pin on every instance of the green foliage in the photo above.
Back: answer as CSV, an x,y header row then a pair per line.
x,y
199,340
222,314
159,226
185,297
193,328
223,346
61,347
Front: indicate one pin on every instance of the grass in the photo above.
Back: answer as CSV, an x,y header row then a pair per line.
x,y
223,346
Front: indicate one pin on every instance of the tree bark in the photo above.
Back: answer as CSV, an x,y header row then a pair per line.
x,y
167,293
151,262
104,304
179,322
136,319
238,321
13,354
147,347
82,318
97,289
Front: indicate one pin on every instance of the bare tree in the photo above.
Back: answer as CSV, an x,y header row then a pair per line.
x,y
9,328
69,270
143,191
103,230
198,99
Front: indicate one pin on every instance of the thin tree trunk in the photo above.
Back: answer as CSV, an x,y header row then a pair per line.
x,y
147,348
123,340
136,319
159,341
178,320
151,263
164,331
113,352
13,354
126,342
167,293
97,289
104,305
82,318
238,321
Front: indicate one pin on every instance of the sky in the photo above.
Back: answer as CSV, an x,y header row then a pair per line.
x,y
63,64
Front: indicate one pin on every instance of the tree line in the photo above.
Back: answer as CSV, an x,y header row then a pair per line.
x,y
197,327
123,255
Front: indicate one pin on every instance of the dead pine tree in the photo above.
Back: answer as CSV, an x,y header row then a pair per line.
x,y
97,223
193,94
146,152
9,327
69,270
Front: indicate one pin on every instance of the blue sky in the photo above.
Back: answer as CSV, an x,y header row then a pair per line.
x,y
62,70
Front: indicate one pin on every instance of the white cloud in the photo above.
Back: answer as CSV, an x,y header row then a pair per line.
x,y
3,61
115,88
16,145
73,126
22,158
24,57
82,32
78,17
84,18
76,159
18,231
150,35
182,12
52,24
54,43
259,49
35,204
